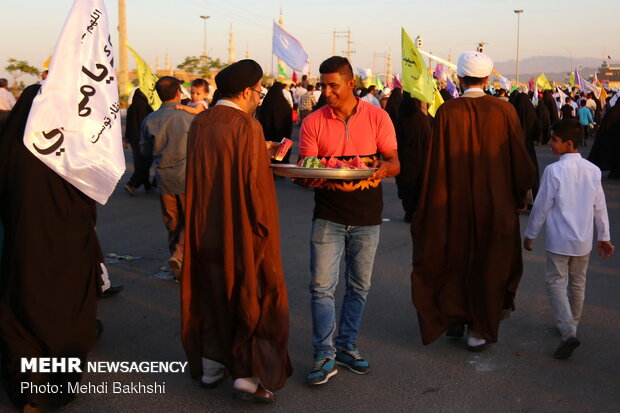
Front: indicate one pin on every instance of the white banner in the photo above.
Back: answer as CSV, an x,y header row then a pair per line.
x,y
287,48
364,73
505,83
74,126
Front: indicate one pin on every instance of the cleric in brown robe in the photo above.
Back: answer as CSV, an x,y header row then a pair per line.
x,y
467,260
234,299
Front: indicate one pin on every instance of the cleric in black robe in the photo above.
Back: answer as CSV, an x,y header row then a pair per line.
x,y
605,151
275,117
393,103
50,267
413,132
531,126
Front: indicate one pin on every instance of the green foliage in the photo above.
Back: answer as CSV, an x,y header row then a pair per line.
x,y
194,65
18,68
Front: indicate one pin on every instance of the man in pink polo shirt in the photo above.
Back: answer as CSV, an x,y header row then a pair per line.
x,y
347,214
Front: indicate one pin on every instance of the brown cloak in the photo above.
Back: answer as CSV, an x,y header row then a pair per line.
x,y
467,259
234,299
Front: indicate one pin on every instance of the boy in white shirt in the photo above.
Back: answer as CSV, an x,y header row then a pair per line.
x,y
571,200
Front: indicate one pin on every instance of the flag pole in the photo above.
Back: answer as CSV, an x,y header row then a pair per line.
x,y
272,34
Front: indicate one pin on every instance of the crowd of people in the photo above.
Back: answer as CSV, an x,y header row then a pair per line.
x,y
463,177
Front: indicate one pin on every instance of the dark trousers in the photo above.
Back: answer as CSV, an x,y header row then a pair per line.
x,y
409,194
173,212
4,115
142,166
586,131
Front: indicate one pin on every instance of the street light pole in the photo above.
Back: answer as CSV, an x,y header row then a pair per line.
x,y
204,47
518,24
571,58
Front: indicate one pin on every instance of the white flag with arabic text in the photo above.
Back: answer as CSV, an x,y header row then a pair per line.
x,y
74,126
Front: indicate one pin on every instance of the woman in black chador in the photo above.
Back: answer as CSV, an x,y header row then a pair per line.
x,y
531,126
605,151
275,116
413,132
50,268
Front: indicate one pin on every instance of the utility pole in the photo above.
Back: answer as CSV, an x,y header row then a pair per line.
x,y
342,34
123,78
349,43
389,75
385,57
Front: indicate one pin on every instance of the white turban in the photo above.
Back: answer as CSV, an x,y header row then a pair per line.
x,y
474,64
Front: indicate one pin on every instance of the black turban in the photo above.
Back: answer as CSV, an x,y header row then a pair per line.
x,y
239,75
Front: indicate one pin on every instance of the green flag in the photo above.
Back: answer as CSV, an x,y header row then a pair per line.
x,y
378,83
416,78
281,70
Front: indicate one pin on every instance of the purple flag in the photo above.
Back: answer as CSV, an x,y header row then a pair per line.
x,y
439,72
397,83
452,88
577,79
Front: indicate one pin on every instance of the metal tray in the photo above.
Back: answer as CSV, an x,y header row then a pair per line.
x,y
294,171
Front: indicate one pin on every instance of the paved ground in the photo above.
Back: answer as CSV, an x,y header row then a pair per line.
x,y
517,374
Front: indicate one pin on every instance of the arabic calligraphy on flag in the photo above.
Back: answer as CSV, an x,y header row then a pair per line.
x,y
146,80
74,126
416,78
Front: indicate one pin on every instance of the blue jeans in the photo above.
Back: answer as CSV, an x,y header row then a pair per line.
x,y
327,243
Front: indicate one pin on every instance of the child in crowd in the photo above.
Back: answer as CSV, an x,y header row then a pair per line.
x,y
571,200
199,92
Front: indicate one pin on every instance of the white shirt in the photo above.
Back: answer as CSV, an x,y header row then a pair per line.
x,y
287,96
229,103
370,98
571,199
575,107
7,100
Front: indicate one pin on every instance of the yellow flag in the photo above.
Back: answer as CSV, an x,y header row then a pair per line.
x,y
416,78
603,96
46,64
437,101
146,80
542,82
571,79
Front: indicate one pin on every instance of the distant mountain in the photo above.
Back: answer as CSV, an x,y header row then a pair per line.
x,y
547,64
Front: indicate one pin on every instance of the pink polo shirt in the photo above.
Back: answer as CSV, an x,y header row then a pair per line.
x,y
368,131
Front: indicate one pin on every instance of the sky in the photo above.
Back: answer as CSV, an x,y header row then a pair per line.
x,y
30,28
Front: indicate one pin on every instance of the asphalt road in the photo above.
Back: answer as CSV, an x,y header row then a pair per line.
x,y
518,374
